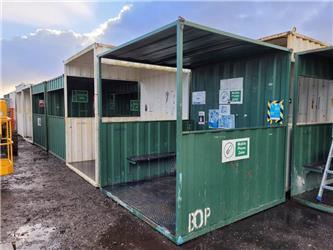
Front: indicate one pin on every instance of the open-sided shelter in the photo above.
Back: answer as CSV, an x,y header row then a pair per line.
x,y
229,151
24,111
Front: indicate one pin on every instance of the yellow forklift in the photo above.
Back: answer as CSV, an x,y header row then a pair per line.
x,y
6,143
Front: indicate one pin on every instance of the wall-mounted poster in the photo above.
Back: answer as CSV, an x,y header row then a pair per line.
x,y
224,109
202,118
214,116
227,121
198,97
224,96
275,112
231,89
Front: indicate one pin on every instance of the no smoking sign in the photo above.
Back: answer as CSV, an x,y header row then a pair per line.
x,y
234,150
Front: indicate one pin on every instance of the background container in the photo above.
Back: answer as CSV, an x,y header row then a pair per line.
x,y
312,126
39,107
55,117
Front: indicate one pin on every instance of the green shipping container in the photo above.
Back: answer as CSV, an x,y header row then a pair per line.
x,y
55,117
230,161
48,116
312,124
39,120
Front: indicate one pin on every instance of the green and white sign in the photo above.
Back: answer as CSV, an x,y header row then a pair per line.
x,y
134,105
235,96
231,91
234,150
80,96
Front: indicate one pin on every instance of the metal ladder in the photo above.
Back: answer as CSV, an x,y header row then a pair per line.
x,y
325,182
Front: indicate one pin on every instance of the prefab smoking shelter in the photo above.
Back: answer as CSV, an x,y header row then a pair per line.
x,y
24,111
223,162
48,116
39,120
125,85
312,125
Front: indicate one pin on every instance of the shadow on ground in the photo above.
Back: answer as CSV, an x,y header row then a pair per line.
x,y
46,205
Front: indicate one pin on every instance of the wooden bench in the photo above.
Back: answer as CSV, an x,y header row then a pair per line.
x,y
151,157
317,167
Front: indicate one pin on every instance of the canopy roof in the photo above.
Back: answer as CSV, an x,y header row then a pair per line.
x,y
201,45
324,52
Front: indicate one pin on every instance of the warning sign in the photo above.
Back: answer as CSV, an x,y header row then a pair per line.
x,y
234,150
275,111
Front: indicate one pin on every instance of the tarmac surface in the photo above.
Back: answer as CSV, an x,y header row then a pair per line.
x,y
45,205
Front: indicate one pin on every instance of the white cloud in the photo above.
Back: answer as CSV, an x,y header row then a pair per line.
x,y
45,14
39,55
84,38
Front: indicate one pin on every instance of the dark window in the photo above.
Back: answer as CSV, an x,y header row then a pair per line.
x,y
38,105
55,101
80,96
120,98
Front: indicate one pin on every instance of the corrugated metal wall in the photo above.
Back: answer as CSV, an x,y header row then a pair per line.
x,y
39,130
39,115
265,78
55,84
311,141
231,190
56,136
234,190
80,139
55,117
311,145
122,140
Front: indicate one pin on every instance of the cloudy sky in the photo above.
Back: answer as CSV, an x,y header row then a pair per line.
x,y
36,37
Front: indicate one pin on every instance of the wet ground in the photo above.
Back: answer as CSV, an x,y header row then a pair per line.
x,y
46,205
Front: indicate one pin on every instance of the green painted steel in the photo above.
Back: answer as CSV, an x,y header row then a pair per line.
x,y
202,45
230,190
310,142
122,140
38,88
39,110
56,136
48,119
55,84
56,104
39,130
265,79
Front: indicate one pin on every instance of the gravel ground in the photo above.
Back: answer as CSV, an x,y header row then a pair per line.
x,y
44,205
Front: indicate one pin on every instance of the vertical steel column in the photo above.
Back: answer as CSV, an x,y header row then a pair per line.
x,y
46,132
98,115
179,122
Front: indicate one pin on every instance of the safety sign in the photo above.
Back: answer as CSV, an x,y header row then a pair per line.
x,y
198,97
202,119
234,150
231,91
275,111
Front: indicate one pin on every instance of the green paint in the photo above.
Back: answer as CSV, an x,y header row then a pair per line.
x,y
122,140
257,72
235,95
242,148
310,142
244,187
56,136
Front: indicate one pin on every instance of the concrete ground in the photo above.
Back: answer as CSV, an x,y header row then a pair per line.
x,y
46,205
